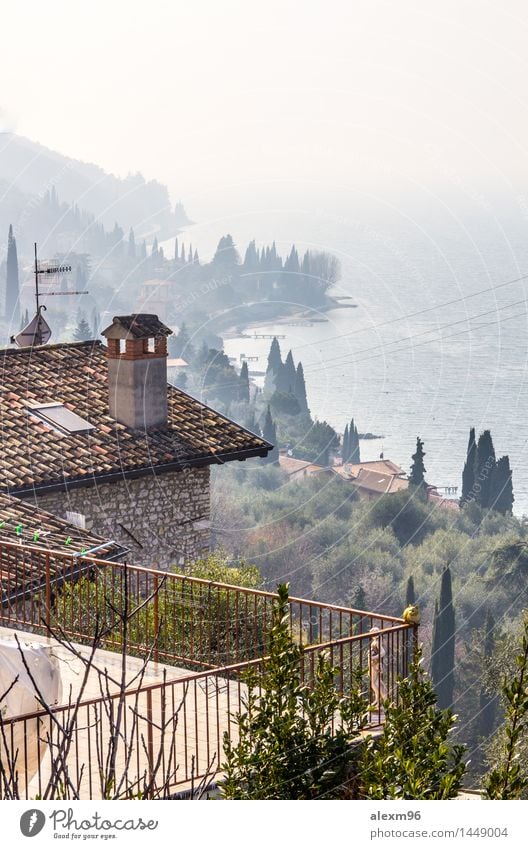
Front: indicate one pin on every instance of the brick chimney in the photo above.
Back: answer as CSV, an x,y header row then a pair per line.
x,y
137,370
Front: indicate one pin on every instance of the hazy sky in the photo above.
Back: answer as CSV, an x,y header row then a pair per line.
x,y
204,93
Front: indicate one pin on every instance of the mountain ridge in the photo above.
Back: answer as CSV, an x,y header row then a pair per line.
x,y
28,168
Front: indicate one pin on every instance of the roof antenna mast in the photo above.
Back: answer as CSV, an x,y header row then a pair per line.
x,y
38,331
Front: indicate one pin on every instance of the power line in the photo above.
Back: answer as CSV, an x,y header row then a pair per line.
x,y
346,356
415,314
441,339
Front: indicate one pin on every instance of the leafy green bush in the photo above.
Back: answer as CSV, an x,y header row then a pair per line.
x,y
193,624
413,758
304,741
286,747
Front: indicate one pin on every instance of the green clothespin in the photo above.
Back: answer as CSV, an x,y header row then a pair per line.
x,y
83,550
68,541
2,524
36,536
18,529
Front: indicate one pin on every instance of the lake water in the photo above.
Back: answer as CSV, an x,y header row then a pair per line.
x,y
428,351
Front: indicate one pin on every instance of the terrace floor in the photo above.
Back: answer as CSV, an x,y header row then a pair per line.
x,y
191,742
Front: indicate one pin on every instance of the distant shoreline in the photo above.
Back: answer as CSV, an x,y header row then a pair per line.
x,y
237,330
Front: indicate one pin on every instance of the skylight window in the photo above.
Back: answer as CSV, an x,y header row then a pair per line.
x,y
60,418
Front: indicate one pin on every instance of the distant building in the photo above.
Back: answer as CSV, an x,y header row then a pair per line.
x,y
296,469
386,467
175,365
439,501
159,296
370,484
374,478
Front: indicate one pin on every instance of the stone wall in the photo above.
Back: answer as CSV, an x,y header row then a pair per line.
x,y
163,520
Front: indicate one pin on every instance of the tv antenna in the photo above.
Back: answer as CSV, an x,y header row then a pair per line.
x,y
38,331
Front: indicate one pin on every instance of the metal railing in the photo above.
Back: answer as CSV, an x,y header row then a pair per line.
x,y
189,621
217,629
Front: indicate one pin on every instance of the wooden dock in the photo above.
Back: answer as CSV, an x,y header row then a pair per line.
x,y
268,336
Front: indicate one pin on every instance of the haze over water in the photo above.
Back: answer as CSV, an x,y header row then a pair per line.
x,y
393,134
466,363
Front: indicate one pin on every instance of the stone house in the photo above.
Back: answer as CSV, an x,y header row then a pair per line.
x,y
96,436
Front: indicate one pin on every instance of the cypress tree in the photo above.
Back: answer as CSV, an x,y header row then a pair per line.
x,y
95,323
251,258
501,487
250,422
417,475
348,443
410,595
290,278
243,383
436,644
280,380
288,375
117,239
274,368
443,649
274,259
355,456
305,268
299,389
292,263
488,703
345,451
269,433
144,250
12,304
154,252
24,320
131,244
468,474
176,251
484,469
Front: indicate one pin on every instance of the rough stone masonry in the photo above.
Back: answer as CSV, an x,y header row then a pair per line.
x,y
162,519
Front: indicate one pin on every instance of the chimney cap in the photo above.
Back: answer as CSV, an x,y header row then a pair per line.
x,y
136,326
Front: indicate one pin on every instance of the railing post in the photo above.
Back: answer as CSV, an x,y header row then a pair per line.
x,y
156,620
150,740
415,643
48,595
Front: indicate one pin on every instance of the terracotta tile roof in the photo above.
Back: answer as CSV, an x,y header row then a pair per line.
x,y
33,455
21,575
440,501
291,465
24,523
379,481
386,467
